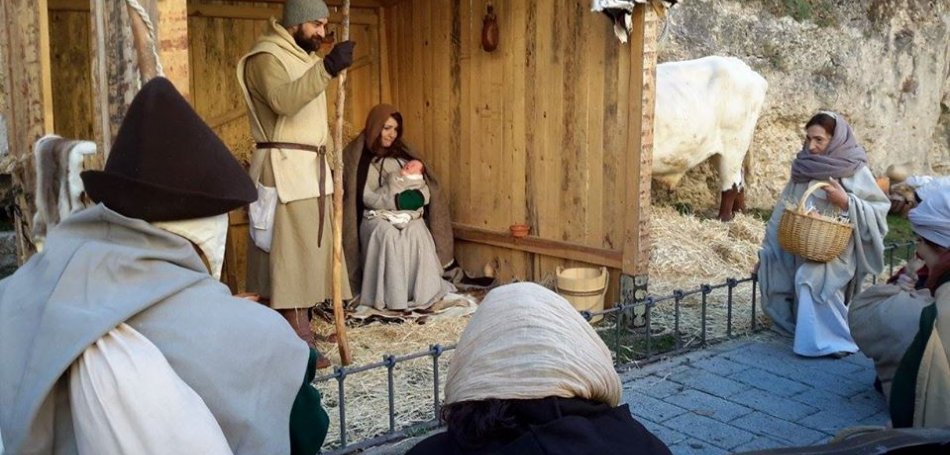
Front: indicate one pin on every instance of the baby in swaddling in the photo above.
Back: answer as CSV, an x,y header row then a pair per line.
x,y
410,177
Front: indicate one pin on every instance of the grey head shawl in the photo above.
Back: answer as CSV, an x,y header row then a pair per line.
x,y
842,158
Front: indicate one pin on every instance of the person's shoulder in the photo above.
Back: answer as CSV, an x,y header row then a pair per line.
x,y
216,296
262,60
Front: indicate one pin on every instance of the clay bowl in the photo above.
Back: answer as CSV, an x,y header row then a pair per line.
x,y
519,231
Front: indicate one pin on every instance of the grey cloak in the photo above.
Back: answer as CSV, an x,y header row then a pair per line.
x,y
99,269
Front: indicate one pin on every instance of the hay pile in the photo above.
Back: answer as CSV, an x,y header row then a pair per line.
x,y
687,251
367,399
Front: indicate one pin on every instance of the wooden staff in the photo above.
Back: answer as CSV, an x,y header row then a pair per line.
x,y
339,317
143,37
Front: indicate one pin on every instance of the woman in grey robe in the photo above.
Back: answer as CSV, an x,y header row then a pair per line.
x,y
401,269
809,299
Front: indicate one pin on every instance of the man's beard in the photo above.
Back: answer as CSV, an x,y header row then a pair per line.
x,y
307,44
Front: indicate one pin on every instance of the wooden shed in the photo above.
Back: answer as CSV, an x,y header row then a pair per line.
x,y
553,128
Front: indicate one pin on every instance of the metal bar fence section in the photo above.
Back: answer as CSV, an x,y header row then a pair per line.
x,y
619,313
889,251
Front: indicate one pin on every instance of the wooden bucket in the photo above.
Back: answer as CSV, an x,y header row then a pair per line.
x,y
584,287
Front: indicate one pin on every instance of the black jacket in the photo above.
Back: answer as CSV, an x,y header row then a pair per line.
x,y
554,426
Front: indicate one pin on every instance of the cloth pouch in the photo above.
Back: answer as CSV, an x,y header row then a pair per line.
x,y
261,215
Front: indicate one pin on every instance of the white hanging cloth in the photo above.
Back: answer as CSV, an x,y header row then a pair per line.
x,y
126,398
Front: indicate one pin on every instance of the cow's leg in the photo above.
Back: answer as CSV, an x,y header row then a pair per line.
x,y
726,202
739,205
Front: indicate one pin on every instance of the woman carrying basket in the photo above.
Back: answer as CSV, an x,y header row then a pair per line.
x,y
806,298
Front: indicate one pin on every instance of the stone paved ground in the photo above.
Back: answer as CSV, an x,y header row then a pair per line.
x,y
752,394
745,394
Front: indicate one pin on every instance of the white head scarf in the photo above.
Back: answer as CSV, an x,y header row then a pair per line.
x,y
931,218
210,234
525,342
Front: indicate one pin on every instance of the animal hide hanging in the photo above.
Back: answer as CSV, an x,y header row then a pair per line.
x,y
620,13
59,189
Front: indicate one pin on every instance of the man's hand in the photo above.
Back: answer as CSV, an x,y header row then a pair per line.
x,y
254,297
339,58
837,195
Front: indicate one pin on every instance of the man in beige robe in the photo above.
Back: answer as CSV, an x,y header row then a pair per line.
x,y
284,83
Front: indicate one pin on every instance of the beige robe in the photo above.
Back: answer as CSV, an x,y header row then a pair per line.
x,y
401,268
932,403
284,88
884,319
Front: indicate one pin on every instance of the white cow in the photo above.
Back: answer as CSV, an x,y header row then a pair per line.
x,y
707,108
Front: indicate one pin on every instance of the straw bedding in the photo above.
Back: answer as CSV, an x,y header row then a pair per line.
x,y
687,251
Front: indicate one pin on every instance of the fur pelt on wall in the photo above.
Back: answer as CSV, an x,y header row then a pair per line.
x,y
59,190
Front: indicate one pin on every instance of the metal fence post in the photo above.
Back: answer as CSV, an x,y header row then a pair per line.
x,y
390,361
706,289
618,324
677,298
436,352
731,284
755,282
340,377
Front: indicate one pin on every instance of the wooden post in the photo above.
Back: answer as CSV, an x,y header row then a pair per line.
x,y
26,104
339,317
114,69
172,24
639,162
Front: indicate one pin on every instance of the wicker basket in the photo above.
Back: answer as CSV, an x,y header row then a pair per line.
x,y
816,238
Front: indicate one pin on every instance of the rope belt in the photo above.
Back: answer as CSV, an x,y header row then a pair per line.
x,y
322,152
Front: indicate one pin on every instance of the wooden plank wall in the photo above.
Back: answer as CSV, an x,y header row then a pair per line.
x,y
533,132
70,45
219,33
26,105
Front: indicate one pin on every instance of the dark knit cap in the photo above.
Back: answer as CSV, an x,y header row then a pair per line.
x,y
297,12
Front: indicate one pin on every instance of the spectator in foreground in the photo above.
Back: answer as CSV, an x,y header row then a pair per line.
x,y
530,376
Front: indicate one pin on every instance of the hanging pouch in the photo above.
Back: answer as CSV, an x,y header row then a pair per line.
x,y
261,214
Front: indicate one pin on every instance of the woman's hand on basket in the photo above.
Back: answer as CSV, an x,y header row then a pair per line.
x,y
837,195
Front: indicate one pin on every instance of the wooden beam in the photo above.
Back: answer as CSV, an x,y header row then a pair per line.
x,y
537,245
69,5
172,25
45,66
333,3
114,69
25,104
83,5
270,10
639,157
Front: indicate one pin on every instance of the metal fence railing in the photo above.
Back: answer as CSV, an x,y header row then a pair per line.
x,y
891,249
632,343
